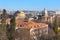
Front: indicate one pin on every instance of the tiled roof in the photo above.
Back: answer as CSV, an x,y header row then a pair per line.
x,y
8,20
29,24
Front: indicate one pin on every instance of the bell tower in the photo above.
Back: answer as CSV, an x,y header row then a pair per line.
x,y
45,14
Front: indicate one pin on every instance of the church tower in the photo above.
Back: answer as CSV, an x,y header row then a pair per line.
x,y
45,14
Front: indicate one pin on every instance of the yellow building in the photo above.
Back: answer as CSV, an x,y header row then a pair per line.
x,y
21,15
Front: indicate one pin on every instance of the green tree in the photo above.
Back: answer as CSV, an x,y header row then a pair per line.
x,y
8,31
55,28
3,21
12,29
4,16
3,26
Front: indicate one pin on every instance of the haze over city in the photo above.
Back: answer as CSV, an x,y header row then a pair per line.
x,y
29,19
30,4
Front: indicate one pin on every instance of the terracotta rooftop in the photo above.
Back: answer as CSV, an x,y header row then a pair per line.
x,y
28,24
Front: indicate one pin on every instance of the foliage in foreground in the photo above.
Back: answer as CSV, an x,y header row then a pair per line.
x,y
50,38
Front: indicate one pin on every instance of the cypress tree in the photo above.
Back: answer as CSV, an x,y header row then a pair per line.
x,y
4,16
12,28
55,28
8,31
3,25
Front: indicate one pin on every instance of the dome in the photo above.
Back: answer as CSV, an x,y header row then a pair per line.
x,y
21,14
17,12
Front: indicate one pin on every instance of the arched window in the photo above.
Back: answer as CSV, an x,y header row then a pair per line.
x,y
21,25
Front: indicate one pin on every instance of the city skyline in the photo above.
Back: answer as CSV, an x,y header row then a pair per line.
x,y
30,4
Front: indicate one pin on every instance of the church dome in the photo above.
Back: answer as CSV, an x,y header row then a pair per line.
x,y
21,15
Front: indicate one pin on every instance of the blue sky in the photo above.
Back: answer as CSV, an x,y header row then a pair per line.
x,y
30,4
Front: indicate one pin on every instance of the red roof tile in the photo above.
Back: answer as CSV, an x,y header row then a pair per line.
x,y
28,24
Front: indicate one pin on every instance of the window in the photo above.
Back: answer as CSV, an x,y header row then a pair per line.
x,y
20,25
